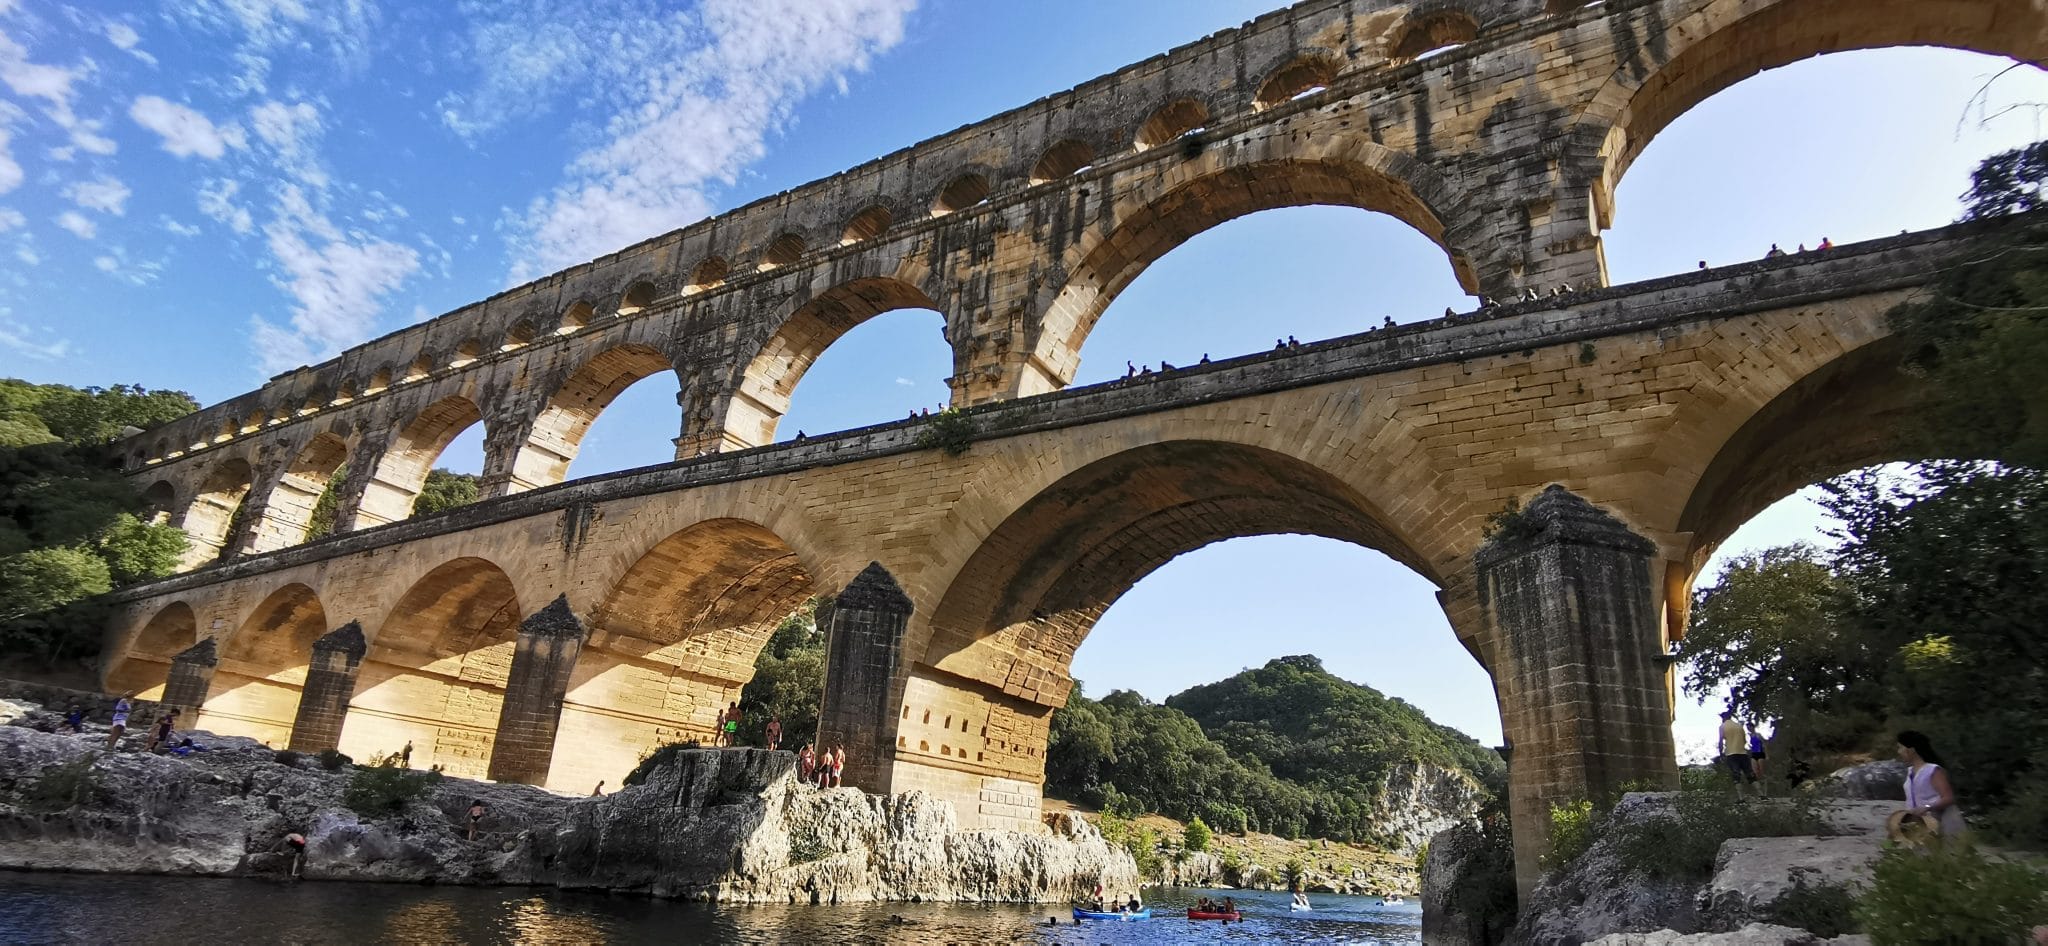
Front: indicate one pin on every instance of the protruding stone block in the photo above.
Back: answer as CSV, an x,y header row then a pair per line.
x,y
864,629
191,675
1566,590
549,643
330,684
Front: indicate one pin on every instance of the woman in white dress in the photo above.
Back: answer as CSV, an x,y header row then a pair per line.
x,y
1928,791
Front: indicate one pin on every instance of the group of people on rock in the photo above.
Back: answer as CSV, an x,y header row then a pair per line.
x,y
821,769
1930,796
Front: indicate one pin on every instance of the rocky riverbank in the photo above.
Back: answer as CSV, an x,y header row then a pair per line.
x,y
723,825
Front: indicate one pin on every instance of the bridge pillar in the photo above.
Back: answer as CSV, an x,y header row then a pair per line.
x,y
864,627
330,684
549,643
1565,589
191,676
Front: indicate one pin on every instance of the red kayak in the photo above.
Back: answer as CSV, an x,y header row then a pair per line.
x,y
1194,914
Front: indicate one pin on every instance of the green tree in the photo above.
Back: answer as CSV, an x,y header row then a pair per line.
x,y
1195,837
789,681
445,490
44,579
320,522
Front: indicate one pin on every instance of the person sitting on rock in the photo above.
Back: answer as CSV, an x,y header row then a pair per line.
x,y
476,815
162,734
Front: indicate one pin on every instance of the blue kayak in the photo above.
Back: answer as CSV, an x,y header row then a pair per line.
x,y
1080,914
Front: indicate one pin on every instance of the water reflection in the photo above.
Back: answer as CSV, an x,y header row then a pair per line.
x,y
74,908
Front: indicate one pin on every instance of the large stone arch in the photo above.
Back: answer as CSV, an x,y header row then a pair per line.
x,y
210,516
557,432
401,469
288,510
673,642
144,663
770,377
435,673
1718,43
1222,184
262,668
982,684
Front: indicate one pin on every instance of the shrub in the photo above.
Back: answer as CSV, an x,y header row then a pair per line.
x,y
1233,866
286,757
1295,872
1951,893
1826,910
66,784
333,759
1683,846
1196,836
385,789
950,430
1571,832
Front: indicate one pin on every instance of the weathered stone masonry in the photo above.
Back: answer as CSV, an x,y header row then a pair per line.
x,y
1668,412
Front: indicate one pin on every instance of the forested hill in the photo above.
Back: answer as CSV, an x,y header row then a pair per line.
x,y
1288,749
1312,727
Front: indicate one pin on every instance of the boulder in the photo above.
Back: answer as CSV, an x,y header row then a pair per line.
x,y
1751,875
1596,895
1468,888
1756,934
1883,780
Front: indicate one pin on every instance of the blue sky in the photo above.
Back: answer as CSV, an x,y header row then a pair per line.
x,y
198,193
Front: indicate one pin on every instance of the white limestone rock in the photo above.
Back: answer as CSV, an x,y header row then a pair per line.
x,y
1755,934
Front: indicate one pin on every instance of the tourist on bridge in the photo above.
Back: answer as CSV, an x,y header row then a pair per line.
x,y
1775,252
120,725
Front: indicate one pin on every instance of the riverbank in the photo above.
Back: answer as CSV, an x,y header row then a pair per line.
x,y
716,825
1255,861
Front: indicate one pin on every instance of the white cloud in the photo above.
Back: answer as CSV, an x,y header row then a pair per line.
x,y
106,264
80,226
692,99
133,272
290,131
179,228
21,338
217,200
338,280
10,170
906,382
185,132
342,27
106,195
27,255
11,219
52,85
127,40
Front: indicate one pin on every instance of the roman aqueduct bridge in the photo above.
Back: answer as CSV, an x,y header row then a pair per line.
x,y
555,631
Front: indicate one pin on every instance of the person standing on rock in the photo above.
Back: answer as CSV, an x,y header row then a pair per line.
x,y
774,732
1735,754
162,734
718,737
732,725
1756,752
806,762
120,725
476,815
1928,791
405,755
838,764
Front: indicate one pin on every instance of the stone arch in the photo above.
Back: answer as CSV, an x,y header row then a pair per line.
x,y
210,517
782,251
435,673
964,190
420,368
379,381
772,374
574,318
1170,121
1431,32
1007,624
1307,72
637,296
557,433
466,353
159,502
1207,192
708,274
255,690
401,469
866,225
1726,41
673,642
145,663
288,512
1061,160
1858,410
520,335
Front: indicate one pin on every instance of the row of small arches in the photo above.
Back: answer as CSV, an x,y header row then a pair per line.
x,y
1302,76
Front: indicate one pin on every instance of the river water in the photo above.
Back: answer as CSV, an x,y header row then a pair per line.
x,y
38,909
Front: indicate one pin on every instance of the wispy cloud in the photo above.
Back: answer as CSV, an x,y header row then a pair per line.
x,y
127,40
10,169
906,382
338,279
80,225
105,194
217,200
692,100
52,85
41,345
184,130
